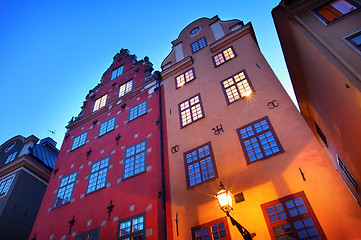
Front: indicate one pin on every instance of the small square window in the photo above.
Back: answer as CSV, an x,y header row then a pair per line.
x,y
291,217
11,157
100,102
217,229
125,88
190,110
117,72
98,175
106,126
335,9
200,165
185,77
65,189
90,235
355,40
132,228
224,56
138,110
236,87
197,45
79,140
135,159
5,185
258,140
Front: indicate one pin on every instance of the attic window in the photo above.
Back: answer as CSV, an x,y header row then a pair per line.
x,y
10,147
195,30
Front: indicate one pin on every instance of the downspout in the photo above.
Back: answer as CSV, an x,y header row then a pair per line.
x,y
158,77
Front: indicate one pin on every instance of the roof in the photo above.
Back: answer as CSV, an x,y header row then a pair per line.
x,y
46,152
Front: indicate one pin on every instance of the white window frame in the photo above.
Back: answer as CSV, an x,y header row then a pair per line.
x,y
5,183
107,126
98,175
138,110
117,72
11,158
125,88
65,186
79,140
100,102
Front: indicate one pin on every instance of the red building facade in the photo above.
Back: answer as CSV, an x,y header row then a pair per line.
x,y
107,180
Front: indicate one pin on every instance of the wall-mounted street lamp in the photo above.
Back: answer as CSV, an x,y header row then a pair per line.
x,y
225,199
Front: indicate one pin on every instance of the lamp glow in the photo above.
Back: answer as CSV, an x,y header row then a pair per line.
x,y
224,199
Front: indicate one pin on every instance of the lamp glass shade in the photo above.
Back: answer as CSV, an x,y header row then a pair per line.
x,y
225,200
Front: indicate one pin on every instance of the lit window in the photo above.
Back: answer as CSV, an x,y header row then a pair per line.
x,y
191,110
11,157
5,185
135,159
65,189
79,140
100,102
355,40
292,217
217,229
125,88
224,56
185,77
89,235
200,165
117,72
197,45
346,172
258,140
336,9
138,110
237,87
98,175
132,228
107,126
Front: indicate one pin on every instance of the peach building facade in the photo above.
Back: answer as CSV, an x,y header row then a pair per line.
x,y
229,120
321,42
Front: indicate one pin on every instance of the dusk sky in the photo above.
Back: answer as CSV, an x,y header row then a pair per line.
x,y
53,52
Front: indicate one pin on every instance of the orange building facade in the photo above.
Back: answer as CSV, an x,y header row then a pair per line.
x,y
229,120
321,42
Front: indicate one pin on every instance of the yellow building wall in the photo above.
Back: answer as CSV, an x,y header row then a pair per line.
x,y
262,181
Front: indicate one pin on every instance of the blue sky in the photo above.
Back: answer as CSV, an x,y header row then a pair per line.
x,y
53,52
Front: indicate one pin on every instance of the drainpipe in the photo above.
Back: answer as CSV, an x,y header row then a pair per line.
x,y
158,77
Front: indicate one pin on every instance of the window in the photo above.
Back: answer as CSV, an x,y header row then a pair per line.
x,y
138,110
224,56
197,45
135,159
10,147
90,235
236,87
355,40
98,175
346,172
11,157
194,30
217,229
291,218
125,88
184,78
79,140
200,165
132,228
336,9
117,72
5,185
190,110
100,102
258,140
106,126
320,133
65,190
